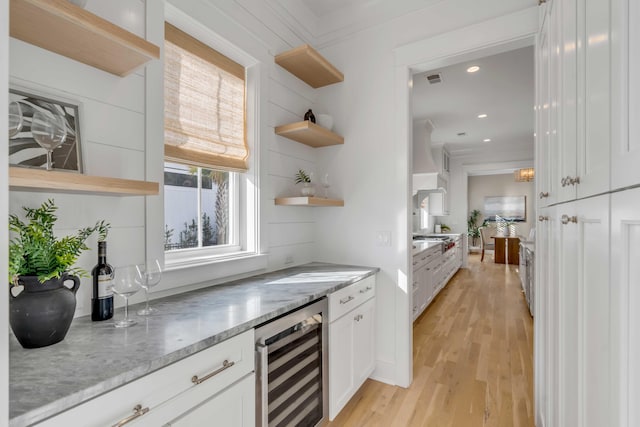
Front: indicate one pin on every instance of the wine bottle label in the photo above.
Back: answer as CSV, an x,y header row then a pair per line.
x,y
105,289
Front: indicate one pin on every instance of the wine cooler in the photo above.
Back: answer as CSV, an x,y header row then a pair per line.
x,y
291,369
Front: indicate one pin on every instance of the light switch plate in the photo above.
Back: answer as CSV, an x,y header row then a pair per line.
x,y
383,238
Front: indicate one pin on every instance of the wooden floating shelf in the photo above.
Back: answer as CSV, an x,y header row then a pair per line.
x,y
308,65
309,133
27,179
308,201
69,30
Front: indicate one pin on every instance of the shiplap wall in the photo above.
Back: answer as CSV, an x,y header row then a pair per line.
x,y
112,128
113,136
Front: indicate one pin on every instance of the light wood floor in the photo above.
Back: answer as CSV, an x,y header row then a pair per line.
x,y
472,360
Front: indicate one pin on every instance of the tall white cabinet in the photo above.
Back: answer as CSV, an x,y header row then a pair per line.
x,y
587,356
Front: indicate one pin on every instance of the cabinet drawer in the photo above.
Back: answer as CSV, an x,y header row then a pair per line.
x,y
425,256
156,388
345,299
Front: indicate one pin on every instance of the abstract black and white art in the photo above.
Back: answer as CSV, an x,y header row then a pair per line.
x,y
23,148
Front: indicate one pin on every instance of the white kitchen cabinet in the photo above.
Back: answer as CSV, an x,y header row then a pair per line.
x,y
351,341
625,316
543,108
572,318
575,106
172,387
594,96
234,407
545,315
626,94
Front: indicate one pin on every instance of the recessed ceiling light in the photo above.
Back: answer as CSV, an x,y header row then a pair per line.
x,y
473,69
482,116
486,140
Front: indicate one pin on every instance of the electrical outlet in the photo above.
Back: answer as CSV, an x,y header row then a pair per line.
x,y
288,259
383,238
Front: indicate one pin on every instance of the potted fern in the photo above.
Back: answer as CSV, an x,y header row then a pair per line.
x,y
41,313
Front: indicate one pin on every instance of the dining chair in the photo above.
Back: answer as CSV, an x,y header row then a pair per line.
x,y
486,242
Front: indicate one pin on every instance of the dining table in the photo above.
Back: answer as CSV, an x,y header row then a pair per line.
x,y
507,250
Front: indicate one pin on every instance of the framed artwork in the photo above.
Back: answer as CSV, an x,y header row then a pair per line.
x,y
56,126
510,208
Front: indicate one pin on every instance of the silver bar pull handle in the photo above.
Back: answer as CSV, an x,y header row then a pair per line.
x,y
347,299
367,289
225,365
138,411
262,386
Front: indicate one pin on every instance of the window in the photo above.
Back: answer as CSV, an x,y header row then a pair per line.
x,y
424,213
206,153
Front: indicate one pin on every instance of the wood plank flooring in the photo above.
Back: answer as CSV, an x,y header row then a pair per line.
x,y
472,360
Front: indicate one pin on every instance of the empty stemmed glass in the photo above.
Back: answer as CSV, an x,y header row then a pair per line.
x,y
150,274
126,282
15,118
326,184
49,130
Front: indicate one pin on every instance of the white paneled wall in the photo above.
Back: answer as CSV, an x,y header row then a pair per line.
x,y
112,128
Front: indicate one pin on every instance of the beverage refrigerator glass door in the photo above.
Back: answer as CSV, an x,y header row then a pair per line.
x,y
292,368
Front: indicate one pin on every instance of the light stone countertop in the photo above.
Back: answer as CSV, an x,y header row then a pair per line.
x,y
420,246
95,357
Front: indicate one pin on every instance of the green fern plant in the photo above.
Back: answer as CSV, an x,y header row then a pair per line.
x,y
35,251
301,176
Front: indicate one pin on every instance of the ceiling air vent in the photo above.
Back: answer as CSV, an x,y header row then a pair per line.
x,y
462,134
434,78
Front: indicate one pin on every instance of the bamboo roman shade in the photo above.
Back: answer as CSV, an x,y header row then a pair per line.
x,y
204,123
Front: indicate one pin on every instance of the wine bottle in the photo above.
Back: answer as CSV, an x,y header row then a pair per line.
x,y
102,273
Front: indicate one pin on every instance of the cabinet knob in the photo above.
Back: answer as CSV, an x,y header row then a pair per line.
x,y
543,218
541,2
544,194
566,219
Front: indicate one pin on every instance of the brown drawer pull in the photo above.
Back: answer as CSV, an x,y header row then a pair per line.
x,y
225,365
138,411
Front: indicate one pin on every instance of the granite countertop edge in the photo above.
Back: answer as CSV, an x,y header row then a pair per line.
x,y
69,401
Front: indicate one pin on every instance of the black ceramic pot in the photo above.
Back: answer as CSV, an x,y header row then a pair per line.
x,y
41,314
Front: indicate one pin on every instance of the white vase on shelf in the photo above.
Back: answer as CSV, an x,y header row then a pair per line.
x,y
308,190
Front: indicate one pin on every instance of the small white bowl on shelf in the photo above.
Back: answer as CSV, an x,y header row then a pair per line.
x,y
325,120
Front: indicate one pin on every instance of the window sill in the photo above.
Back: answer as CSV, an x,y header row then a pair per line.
x,y
199,272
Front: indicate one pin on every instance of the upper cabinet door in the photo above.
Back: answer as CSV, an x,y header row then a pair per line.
x,y
626,94
594,96
568,99
542,116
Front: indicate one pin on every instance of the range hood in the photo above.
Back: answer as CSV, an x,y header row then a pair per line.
x,y
422,157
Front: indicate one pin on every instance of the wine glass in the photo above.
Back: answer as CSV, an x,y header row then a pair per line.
x,y
49,130
15,118
325,184
126,282
150,274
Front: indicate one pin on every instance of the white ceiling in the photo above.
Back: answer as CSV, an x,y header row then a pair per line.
x,y
503,89
324,21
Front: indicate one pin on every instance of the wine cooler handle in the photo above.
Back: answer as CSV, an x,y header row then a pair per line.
x,y
263,393
138,411
225,365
